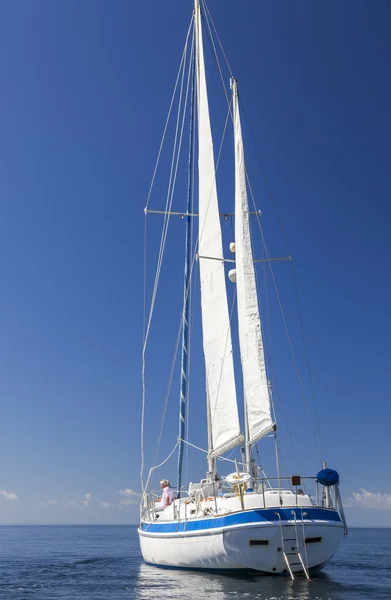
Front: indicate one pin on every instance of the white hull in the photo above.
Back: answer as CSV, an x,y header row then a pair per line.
x,y
231,547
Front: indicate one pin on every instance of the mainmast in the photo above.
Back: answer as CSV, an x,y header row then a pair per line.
x,y
186,291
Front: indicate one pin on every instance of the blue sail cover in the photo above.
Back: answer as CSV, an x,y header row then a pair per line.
x,y
328,477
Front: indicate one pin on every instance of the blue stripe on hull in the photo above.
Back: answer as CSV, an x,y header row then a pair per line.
x,y
241,518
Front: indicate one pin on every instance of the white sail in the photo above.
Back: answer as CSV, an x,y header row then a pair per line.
x,y
255,385
223,419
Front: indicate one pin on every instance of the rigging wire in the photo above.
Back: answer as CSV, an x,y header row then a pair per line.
x,y
162,243
285,325
285,240
276,389
172,195
208,13
222,458
152,469
260,466
307,360
269,355
169,114
205,13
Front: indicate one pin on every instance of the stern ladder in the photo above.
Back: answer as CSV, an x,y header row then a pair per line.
x,y
294,553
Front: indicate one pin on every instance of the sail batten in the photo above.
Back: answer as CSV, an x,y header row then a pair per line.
x,y
220,381
255,384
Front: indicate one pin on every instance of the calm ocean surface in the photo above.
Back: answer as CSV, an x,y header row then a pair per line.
x,y
105,562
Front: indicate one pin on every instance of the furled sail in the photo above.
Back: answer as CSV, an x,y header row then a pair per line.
x,y
224,428
255,385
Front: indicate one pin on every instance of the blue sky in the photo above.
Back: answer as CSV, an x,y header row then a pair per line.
x,y
85,92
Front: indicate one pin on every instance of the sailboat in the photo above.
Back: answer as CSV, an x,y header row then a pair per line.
x,y
242,520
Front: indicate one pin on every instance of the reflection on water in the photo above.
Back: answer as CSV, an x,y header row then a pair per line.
x,y
154,582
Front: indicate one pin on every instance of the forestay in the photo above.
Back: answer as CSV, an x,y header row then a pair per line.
x,y
256,393
224,425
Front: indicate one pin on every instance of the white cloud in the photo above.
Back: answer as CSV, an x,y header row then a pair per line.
x,y
87,500
49,503
366,499
129,493
129,497
79,503
8,495
128,501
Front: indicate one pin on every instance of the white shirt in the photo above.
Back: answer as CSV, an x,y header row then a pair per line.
x,y
167,493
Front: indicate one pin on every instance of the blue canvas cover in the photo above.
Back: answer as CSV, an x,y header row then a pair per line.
x,y
328,477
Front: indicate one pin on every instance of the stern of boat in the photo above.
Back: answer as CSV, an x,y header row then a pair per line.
x,y
275,548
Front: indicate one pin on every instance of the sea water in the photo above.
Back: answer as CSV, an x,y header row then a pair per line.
x,y
102,562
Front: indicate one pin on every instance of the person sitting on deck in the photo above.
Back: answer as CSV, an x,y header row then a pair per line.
x,y
167,496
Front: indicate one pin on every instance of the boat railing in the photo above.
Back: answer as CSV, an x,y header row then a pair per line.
x,y
320,495
194,502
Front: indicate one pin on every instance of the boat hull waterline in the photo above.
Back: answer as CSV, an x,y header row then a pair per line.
x,y
243,542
